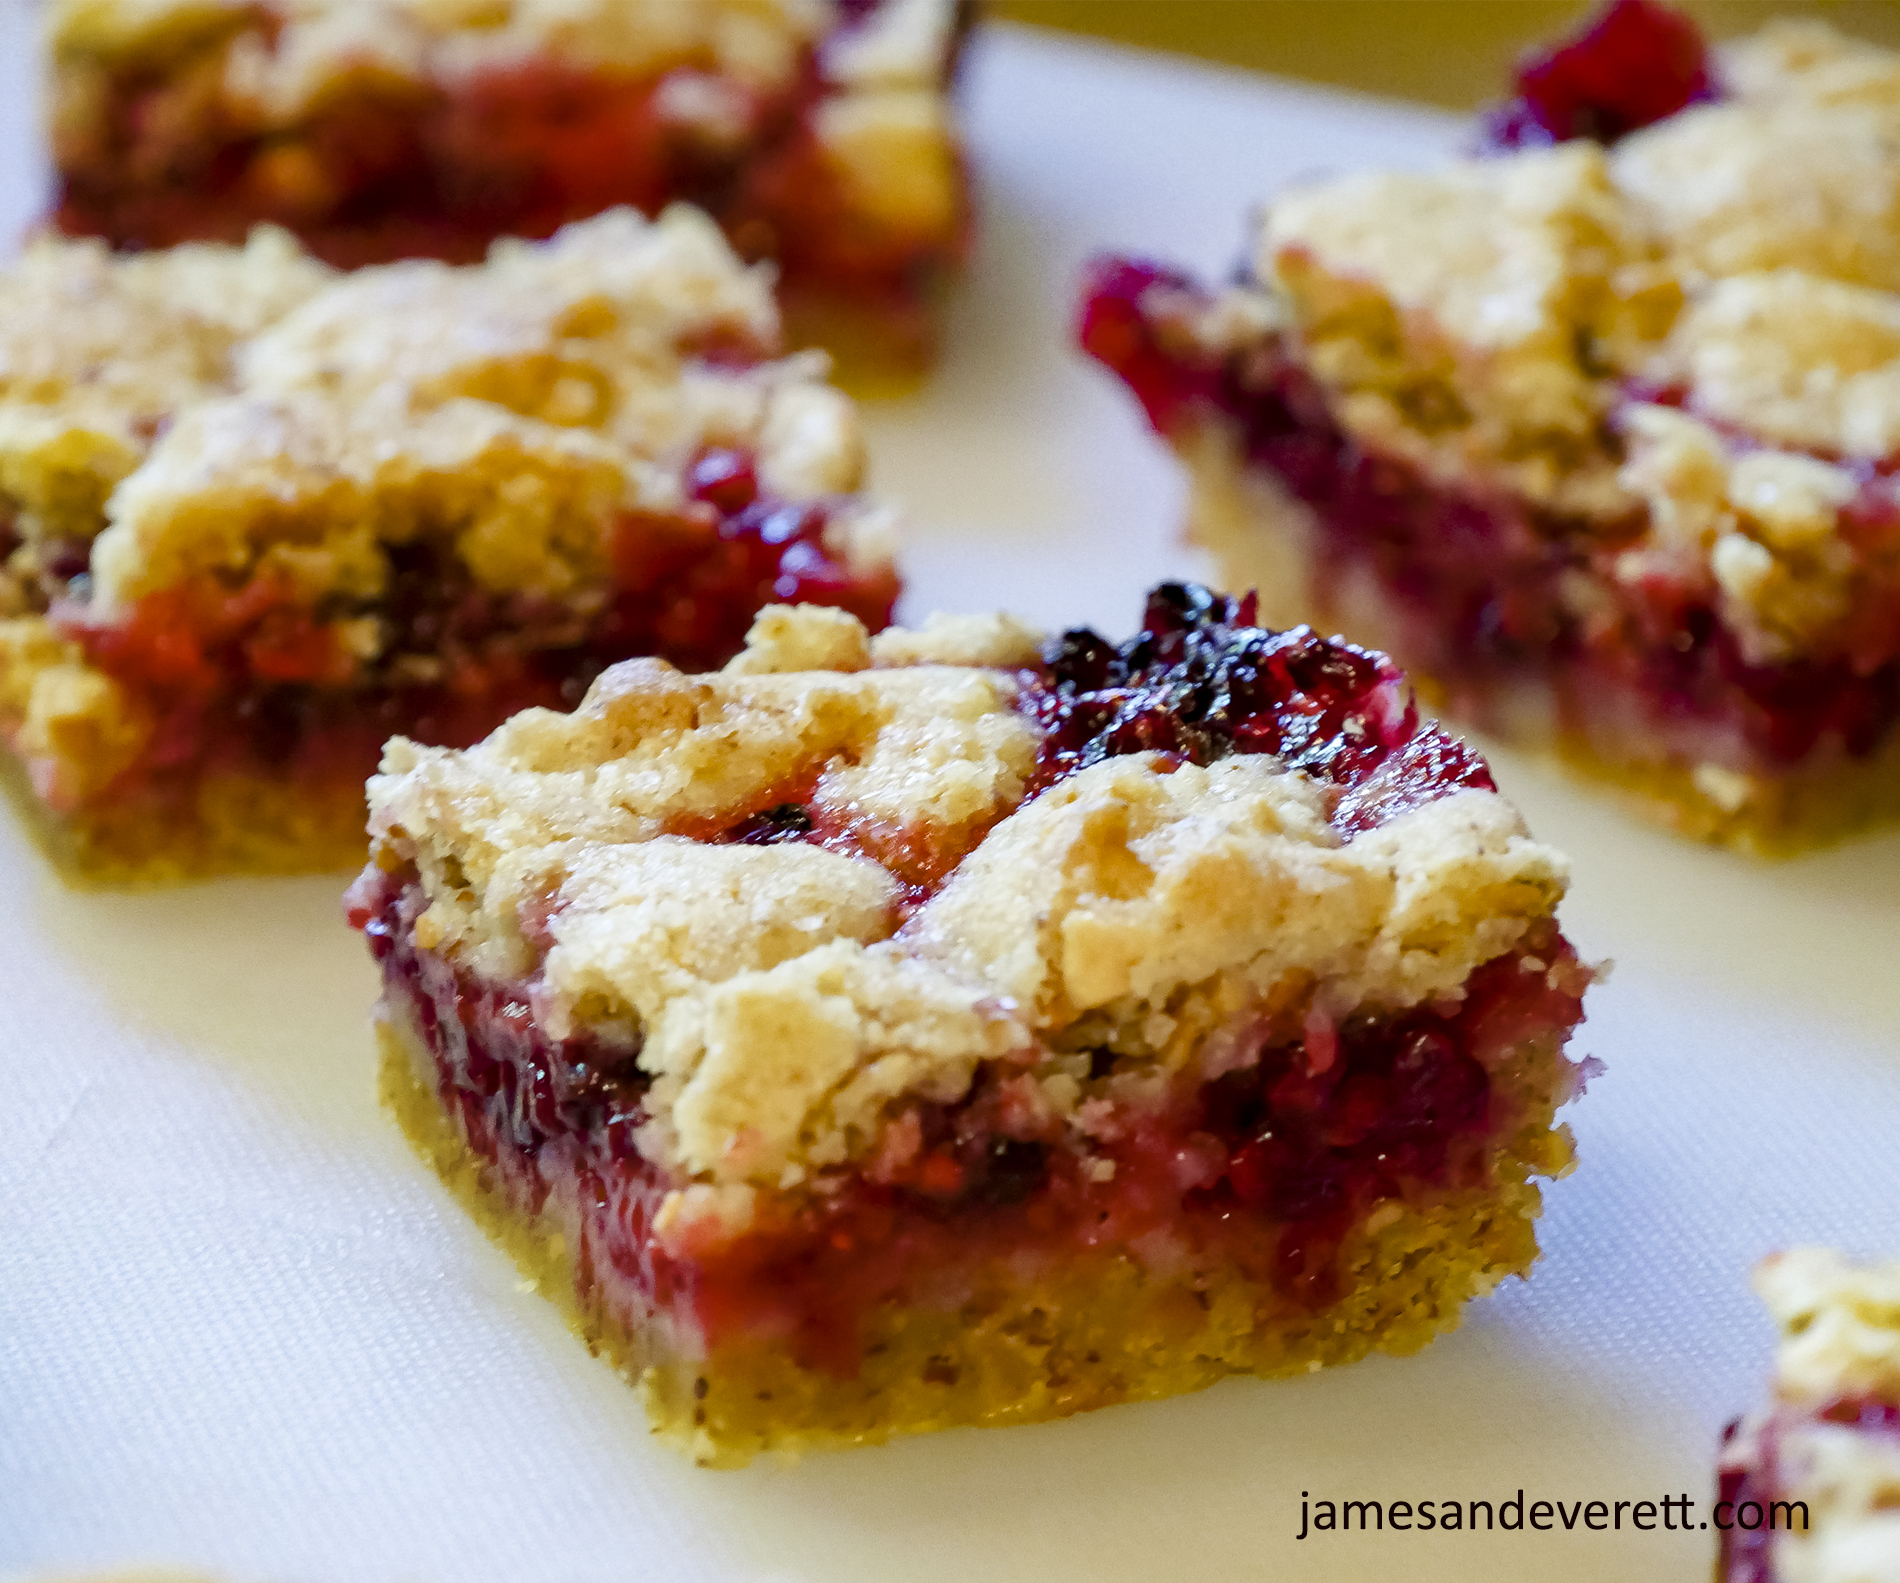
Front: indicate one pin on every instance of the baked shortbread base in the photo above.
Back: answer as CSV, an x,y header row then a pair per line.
x,y
1027,1344
256,823
820,135
1596,438
1806,1486
878,1037
256,517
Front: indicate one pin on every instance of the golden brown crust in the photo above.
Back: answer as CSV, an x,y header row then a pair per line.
x,y
247,823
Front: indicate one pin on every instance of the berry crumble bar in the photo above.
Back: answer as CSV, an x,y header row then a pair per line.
x,y
1598,432
257,517
957,1027
1811,1486
820,134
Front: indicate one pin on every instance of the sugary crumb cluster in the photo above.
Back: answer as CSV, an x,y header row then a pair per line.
x,y
1840,1326
1696,328
318,41
228,427
1833,1439
822,880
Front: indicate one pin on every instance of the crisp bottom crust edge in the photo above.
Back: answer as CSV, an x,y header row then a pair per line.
x,y
239,824
1262,537
1088,1332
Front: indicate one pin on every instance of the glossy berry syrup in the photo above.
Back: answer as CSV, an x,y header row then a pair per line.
x,y
1478,587
1637,63
252,680
1201,681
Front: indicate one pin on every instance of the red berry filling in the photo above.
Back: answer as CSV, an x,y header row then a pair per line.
x,y
1198,683
1746,1545
1476,586
256,680
1201,681
1636,64
385,169
1268,1167
1743,1554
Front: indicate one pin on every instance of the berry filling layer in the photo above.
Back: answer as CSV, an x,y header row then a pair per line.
x,y
1755,1503
254,682
1636,63
1482,593
157,151
1202,681
1290,1138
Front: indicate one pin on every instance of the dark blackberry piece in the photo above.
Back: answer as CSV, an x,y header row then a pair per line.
x,y
787,822
1201,681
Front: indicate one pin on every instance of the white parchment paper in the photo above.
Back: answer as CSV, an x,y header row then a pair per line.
x,y
241,1330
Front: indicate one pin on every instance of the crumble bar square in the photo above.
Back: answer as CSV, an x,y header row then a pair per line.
x,y
1821,1465
1598,438
256,516
954,1027
819,134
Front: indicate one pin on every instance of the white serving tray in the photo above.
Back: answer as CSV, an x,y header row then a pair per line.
x,y
242,1330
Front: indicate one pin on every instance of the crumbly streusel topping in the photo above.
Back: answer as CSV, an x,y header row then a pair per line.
x,y
721,73
321,41
97,350
211,412
720,64
1487,322
794,1001
1840,1324
902,42
212,418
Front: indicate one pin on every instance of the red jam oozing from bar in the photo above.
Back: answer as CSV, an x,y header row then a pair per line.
x,y
1636,64
1479,584
253,681
1269,1166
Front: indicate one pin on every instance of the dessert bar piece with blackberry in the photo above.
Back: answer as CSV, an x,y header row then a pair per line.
x,y
820,134
1809,1488
1599,437
954,1027
256,517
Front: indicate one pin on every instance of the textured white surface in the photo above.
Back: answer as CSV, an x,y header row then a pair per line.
x,y
241,1330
